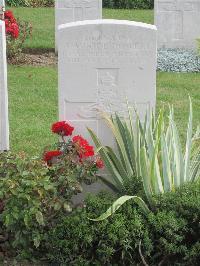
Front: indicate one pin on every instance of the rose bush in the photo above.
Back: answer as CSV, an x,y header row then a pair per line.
x,y
34,193
12,27
17,32
72,154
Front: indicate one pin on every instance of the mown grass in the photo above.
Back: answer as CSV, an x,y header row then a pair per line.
x,y
34,106
42,20
145,16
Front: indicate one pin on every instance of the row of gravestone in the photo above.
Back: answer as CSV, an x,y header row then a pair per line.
x,y
177,20
101,64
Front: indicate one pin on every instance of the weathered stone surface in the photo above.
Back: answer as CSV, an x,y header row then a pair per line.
x,y
101,63
2,8
76,10
2,3
178,23
4,127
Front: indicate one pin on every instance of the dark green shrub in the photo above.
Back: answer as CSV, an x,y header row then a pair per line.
x,y
25,193
116,241
176,226
17,2
109,3
41,3
32,196
129,4
32,3
170,235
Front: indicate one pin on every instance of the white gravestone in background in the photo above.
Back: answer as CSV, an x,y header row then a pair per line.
x,y
4,130
178,23
2,8
102,62
75,10
2,3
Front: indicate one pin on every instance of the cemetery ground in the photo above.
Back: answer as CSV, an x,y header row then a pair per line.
x,y
31,114
33,107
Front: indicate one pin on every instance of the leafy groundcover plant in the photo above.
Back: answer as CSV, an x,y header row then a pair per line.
x,y
168,236
151,151
35,192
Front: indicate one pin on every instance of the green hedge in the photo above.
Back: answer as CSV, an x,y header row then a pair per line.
x,y
169,236
126,4
129,4
31,3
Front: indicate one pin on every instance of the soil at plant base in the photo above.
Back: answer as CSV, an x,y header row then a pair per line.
x,y
44,59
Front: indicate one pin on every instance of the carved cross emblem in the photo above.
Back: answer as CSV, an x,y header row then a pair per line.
x,y
179,8
79,7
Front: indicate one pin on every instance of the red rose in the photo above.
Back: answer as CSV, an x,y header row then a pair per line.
x,y
9,15
49,155
15,30
7,23
99,163
62,128
83,148
12,28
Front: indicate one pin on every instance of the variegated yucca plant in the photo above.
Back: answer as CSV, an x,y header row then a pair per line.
x,y
152,151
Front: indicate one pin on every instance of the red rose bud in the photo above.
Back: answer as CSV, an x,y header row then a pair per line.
x,y
99,163
83,148
9,15
49,155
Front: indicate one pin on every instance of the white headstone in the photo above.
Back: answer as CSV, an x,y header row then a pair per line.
x,y
102,63
4,127
2,8
2,3
178,23
76,10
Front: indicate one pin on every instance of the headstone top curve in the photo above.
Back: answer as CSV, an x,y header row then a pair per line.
x,y
107,22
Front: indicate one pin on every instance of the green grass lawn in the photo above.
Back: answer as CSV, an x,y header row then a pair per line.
x,y
42,20
34,105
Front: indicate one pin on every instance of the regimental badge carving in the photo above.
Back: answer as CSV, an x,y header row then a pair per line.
x,y
111,97
107,77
